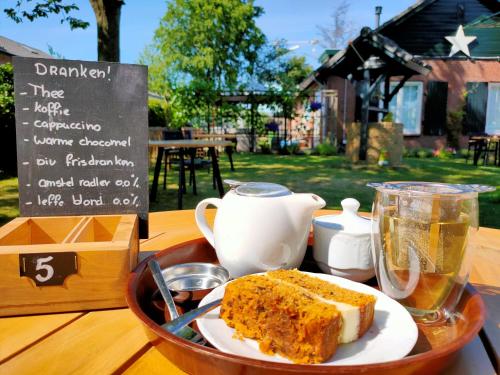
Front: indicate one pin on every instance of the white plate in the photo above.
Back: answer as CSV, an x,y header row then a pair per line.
x,y
391,336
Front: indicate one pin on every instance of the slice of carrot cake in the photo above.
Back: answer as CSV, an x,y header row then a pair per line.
x,y
356,308
298,316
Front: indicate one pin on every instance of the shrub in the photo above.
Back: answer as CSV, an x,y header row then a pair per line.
x,y
424,153
8,165
158,113
454,128
444,153
326,149
383,158
389,117
294,148
264,145
462,153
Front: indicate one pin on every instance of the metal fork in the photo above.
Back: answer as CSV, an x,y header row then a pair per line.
x,y
184,332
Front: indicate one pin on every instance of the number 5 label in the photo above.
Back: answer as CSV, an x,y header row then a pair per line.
x,y
48,268
41,265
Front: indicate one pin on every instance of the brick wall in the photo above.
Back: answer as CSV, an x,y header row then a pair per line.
x,y
5,58
457,73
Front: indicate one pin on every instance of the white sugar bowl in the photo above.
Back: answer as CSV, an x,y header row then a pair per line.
x,y
342,243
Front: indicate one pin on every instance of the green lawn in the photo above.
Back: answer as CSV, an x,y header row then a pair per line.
x,y
334,179
330,177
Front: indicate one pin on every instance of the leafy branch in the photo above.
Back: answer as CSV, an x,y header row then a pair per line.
x,y
24,9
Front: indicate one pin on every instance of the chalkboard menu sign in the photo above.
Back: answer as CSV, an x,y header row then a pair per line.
x,y
82,138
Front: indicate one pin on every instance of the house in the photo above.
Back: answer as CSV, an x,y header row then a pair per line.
x,y
460,41
9,48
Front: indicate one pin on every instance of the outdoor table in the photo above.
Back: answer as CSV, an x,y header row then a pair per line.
x,y
227,137
182,145
214,136
482,143
114,341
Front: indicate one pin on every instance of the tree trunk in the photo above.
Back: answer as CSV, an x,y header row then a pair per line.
x,y
107,14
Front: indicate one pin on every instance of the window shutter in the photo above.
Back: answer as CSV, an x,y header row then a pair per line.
x,y
436,108
475,108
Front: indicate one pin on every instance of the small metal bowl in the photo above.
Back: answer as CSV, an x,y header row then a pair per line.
x,y
192,281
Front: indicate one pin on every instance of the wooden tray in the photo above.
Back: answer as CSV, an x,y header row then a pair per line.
x,y
436,347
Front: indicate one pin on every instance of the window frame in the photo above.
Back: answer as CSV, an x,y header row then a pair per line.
x,y
489,105
420,98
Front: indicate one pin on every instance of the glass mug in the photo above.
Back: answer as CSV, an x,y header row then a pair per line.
x,y
421,243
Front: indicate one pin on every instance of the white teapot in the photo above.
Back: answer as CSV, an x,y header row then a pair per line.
x,y
259,226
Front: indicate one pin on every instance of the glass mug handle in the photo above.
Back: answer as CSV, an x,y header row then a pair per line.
x,y
201,221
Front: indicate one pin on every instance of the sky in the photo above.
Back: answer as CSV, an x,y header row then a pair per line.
x,y
296,21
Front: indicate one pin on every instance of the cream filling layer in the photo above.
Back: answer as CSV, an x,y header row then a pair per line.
x,y
351,315
351,319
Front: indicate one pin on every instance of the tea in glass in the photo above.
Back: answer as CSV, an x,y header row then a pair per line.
x,y
421,236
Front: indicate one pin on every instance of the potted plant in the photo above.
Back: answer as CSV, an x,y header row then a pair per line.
x,y
314,106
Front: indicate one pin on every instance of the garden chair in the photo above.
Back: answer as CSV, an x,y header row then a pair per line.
x,y
477,144
492,146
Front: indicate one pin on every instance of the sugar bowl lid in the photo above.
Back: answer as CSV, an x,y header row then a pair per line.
x,y
348,221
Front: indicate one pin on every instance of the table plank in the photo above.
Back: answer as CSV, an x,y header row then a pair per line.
x,y
190,143
175,229
153,363
215,136
19,332
100,342
486,258
491,328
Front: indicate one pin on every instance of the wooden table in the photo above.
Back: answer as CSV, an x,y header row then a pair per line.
x,y
114,341
482,144
226,137
189,144
214,136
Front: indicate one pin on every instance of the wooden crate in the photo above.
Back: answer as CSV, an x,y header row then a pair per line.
x,y
36,253
381,135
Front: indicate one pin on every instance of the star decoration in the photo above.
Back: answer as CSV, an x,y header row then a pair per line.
x,y
460,42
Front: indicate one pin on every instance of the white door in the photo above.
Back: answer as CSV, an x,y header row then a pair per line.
x,y
406,107
493,110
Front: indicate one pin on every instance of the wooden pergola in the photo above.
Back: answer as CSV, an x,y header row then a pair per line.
x,y
254,98
370,59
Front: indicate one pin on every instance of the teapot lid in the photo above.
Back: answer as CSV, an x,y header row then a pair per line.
x,y
262,190
348,221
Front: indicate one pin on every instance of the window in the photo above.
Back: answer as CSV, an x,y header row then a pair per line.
x,y
406,106
493,109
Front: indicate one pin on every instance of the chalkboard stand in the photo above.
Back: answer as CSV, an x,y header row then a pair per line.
x,y
82,138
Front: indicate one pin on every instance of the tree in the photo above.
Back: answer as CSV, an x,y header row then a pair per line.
x,y
42,9
204,49
340,31
283,74
107,13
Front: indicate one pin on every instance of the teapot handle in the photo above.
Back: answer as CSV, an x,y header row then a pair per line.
x,y
201,221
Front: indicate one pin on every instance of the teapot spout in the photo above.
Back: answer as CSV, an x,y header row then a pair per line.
x,y
308,202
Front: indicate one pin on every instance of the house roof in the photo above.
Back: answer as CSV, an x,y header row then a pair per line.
x,y
368,46
327,53
408,12
421,5
13,48
487,31
421,28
